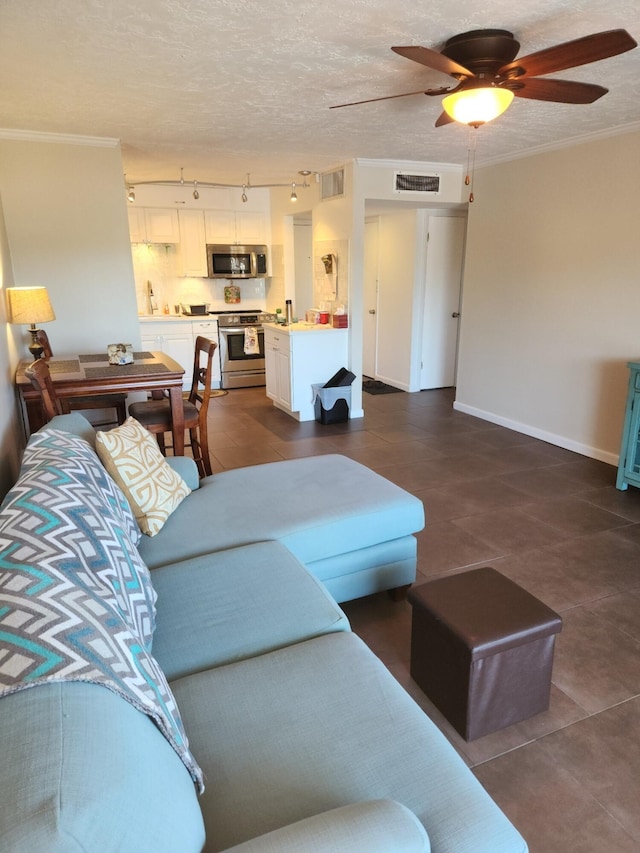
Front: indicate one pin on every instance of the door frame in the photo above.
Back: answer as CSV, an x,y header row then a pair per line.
x,y
370,223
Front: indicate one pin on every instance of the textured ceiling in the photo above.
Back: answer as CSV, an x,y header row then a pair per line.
x,y
229,87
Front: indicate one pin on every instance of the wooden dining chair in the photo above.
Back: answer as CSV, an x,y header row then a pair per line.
x,y
99,401
155,415
39,375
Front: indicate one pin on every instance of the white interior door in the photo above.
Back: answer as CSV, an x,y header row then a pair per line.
x,y
442,301
370,299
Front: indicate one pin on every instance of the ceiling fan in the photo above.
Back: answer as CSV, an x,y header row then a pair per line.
x,y
484,64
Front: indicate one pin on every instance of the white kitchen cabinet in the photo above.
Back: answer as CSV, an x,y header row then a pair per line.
x,y
173,337
297,357
153,225
192,254
277,367
209,329
220,226
177,337
230,226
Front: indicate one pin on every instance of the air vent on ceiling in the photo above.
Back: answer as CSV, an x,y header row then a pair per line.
x,y
405,182
332,183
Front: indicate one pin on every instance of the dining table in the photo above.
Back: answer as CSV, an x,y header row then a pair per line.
x,y
91,374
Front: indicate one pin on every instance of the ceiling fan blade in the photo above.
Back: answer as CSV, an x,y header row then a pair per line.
x,y
443,119
561,91
570,54
433,59
441,91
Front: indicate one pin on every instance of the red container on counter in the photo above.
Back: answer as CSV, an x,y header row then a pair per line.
x,y
324,317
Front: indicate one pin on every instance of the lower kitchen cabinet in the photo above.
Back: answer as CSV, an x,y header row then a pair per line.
x,y
277,368
297,357
177,338
208,329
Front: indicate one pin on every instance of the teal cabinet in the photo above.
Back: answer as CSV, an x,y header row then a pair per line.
x,y
629,463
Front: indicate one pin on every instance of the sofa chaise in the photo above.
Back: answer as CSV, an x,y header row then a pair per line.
x,y
218,701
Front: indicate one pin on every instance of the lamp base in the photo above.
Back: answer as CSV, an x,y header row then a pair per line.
x,y
35,347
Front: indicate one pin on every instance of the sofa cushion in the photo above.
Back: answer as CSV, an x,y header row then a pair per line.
x,y
319,507
319,725
132,457
82,770
375,826
236,604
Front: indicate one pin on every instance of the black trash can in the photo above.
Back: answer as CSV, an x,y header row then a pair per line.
x,y
332,400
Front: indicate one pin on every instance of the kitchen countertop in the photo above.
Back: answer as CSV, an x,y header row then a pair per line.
x,y
161,318
303,327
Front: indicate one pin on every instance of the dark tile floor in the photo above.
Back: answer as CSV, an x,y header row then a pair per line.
x,y
547,518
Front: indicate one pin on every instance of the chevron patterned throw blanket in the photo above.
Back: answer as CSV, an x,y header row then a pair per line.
x,y
76,599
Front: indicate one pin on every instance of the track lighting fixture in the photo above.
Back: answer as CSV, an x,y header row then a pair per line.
x,y
131,195
244,186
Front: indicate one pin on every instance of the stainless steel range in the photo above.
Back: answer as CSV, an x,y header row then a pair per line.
x,y
241,341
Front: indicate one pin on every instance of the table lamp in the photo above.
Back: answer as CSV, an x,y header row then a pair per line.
x,y
30,305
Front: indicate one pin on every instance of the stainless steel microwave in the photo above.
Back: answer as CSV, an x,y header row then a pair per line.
x,y
236,261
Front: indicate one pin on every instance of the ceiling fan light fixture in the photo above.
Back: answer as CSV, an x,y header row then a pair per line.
x,y
477,105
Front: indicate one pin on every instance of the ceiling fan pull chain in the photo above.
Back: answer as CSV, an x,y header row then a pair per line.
x,y
471,160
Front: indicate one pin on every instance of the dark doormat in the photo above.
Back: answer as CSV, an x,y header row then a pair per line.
x,y
374,386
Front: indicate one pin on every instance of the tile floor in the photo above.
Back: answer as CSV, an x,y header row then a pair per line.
x,y
547,518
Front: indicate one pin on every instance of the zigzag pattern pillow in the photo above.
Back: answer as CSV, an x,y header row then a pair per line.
x,y
76,601
65,511
132,457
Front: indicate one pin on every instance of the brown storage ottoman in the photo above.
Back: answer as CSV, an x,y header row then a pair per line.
x,y
482,650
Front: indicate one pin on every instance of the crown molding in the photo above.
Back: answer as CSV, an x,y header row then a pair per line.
x,y
408,164
59,138
618,130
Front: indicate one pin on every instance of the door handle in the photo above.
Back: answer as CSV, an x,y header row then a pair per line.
x,y
372,310
455,315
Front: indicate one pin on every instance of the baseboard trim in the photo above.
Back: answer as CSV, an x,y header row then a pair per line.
x,y
543,435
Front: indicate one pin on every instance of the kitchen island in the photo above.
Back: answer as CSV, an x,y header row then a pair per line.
x,y
297,357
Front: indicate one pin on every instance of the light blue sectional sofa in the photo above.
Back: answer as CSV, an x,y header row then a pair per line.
x,y
220,701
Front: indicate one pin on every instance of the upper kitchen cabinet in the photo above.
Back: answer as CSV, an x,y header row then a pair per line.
x,y
153,225
230,226
192,255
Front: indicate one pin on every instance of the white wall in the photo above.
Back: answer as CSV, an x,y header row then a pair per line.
x,y
282,284
65,227
303,267
10,443
66,222
551,294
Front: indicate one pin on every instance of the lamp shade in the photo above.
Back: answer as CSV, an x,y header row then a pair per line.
x,y
29,305
477,105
